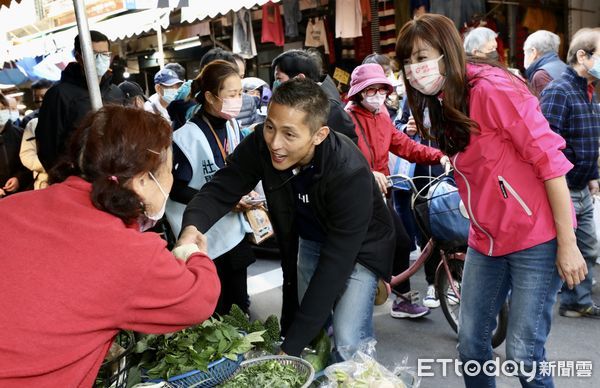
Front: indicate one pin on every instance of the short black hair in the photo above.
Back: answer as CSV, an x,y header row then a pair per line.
x,y
304,95
217,53
96,37
41,84
3,100
294,62
178,69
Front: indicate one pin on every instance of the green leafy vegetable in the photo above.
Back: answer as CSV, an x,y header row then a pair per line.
x,y
168,355
267,374
238,318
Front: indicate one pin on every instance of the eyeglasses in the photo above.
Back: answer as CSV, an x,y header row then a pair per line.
x,y
370,92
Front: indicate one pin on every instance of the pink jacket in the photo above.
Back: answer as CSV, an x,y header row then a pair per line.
x,y
501,173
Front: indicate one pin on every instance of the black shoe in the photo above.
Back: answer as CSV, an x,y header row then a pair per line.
x,y
577,311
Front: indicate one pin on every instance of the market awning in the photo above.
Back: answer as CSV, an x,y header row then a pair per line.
x,y
118,27
6,3
203,10
128,25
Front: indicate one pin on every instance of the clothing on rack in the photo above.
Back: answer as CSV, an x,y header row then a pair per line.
x,y
272,25
316,35
348,19
243,35
292,16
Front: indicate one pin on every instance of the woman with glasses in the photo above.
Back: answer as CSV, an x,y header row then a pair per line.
x,y
377,136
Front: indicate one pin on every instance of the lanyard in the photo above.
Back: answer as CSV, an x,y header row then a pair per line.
x,y
221,148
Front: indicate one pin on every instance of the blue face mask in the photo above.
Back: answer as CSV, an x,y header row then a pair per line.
x,y
594,71
276,84
169,95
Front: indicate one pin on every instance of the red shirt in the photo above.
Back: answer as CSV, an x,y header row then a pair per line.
x,y
74,276
377,137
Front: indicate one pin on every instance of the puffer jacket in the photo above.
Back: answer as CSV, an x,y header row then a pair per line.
x,y
501,173
377,136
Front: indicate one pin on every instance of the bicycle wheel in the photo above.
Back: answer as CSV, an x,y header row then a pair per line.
x,y
449,301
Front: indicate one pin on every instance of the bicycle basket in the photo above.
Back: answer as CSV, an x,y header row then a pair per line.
x,y
114,372
440,216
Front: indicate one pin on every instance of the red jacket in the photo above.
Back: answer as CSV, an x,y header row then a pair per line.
x,y
75,275
377,137
501,173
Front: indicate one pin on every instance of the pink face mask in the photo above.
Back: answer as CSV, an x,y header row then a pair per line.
x,y
425,76
231,107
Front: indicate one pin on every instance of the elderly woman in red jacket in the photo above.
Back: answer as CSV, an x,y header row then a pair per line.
x,y
78,269
377,137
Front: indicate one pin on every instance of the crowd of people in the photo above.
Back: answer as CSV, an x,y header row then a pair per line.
x,y
197,154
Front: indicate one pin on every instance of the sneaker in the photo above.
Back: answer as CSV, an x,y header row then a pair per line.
x,y
592,311
452,298
404,308
431,301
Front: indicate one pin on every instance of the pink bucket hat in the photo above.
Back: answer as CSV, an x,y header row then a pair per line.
x,y
366,75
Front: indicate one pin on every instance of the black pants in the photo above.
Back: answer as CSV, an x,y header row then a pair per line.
x,y
402,252
232,268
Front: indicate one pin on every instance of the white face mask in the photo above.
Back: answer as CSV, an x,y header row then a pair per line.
x,y
169,95
425,76
373,103
148,221
4,116
102,64
14,115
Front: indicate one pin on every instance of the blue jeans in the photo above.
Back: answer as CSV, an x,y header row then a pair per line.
x,y
581,294
353,312
533,280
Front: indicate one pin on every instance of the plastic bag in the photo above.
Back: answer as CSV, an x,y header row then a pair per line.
x,y
362,370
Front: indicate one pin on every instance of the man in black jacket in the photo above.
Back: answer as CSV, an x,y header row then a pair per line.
x,y
301,64
66,103
326,210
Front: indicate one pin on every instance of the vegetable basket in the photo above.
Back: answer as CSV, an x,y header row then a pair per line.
x,y
302,367
114,372
218,371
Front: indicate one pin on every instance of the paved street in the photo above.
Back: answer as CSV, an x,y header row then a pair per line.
x,y
431,337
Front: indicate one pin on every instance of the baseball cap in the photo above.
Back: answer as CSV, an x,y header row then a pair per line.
x,y
166,77
131,89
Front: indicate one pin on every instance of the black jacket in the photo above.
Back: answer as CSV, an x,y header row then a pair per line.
x,y
349,207
64,105
338,119
10,162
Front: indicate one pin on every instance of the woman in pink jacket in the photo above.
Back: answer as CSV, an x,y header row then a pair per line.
x,y
511,176
377,137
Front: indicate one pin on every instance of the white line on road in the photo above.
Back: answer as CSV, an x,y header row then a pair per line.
x,y
265,281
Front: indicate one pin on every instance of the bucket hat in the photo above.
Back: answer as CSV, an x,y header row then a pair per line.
x,y
366,75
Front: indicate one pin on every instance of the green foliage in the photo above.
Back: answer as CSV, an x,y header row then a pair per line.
x,y
267,374
168,355
270,326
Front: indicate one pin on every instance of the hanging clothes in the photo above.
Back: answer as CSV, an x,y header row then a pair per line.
x,y
387,27
243,34
272,25
348,19
292,16
316,36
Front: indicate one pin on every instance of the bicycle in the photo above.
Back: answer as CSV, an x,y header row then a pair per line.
x,y
451,242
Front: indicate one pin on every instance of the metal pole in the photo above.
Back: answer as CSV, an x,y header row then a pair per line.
x,y
89,64
161,54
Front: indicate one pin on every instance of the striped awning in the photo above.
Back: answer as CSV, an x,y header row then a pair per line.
x,y
6,3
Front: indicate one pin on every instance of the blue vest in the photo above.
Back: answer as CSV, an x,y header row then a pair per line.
x,y
229,230
554,68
